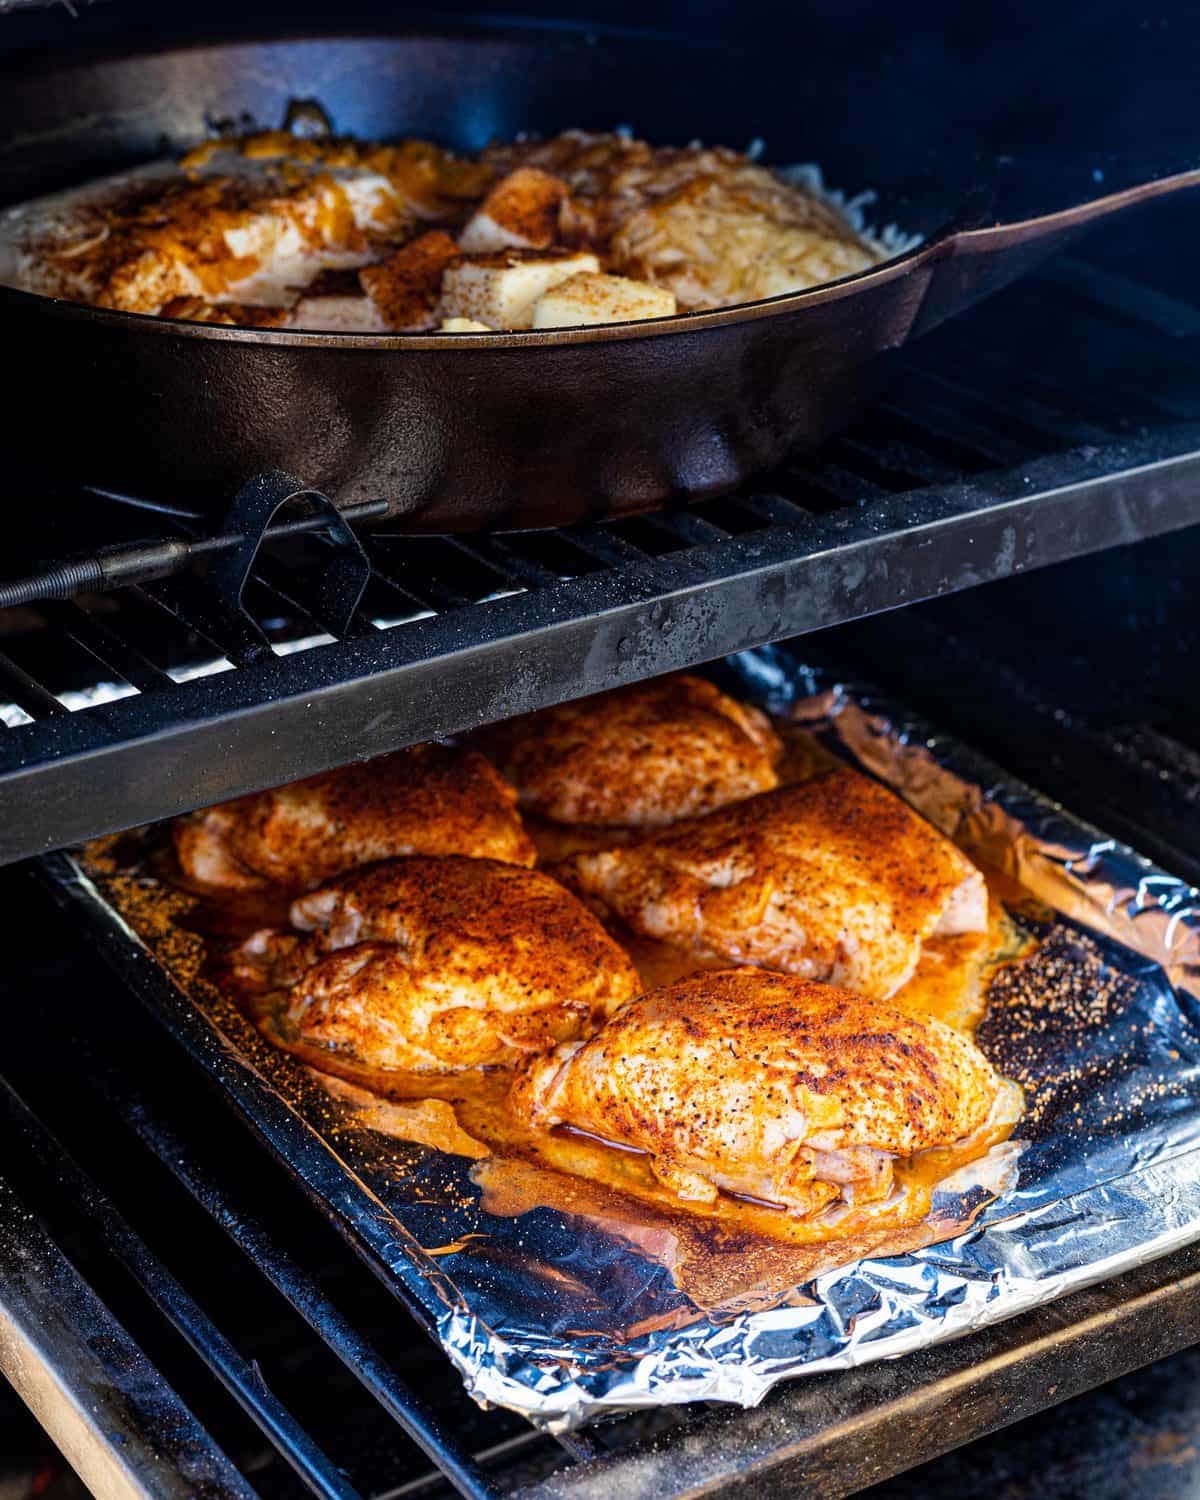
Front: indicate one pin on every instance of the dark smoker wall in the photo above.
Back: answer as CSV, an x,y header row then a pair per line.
x,y
1059,75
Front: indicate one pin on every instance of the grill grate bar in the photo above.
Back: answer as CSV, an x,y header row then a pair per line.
x,y
829,486
203,611
1132,374
241,1379
1119,332
1034,401
1004,437
392,598
503,558
1110,294
605,545
1050,407
577,1444
110,648
123,1092
90,1384
898,463
298,594
937,415
687,527
428,588
777,510
27,693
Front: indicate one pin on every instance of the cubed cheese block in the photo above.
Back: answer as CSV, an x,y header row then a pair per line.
x,y
520,212
336,314
592,298
501,290
464,325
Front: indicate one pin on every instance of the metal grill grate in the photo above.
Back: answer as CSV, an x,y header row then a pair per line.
x,y
218,1312
132,705
203,1262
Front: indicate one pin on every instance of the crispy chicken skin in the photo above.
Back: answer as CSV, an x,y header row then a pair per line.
x,y
765,1085
641,756
427,800
835,879
439,964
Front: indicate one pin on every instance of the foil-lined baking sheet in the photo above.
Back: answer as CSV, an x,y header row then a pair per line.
x,y
567,1307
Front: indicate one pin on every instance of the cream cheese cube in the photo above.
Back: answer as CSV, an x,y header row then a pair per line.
x,y
501,290
336,314
591,298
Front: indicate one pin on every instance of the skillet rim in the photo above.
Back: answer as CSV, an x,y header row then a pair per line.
x,y
677,323
465,27
936,247
950,240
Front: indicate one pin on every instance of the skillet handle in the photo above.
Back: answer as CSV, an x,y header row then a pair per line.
x,y
970,263
1082,214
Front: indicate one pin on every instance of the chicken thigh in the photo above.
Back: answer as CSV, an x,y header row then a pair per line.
x,y
438,964
640,756
427,800
835,879
765,1085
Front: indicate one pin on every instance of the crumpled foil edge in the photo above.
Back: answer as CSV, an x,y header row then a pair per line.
x,y
1011,1270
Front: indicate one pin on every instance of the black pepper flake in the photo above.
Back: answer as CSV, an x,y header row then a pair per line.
x,y
1071,1029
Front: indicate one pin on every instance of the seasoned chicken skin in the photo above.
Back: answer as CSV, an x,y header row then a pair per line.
x,y
640,756
427,800
835,879
439,964
765,1085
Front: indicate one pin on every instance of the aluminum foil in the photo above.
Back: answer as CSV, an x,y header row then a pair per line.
x,y
569,1311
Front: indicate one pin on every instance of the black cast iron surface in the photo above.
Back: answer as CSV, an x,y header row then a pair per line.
x,y
976,467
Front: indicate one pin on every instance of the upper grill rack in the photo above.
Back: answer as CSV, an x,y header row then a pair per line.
x,y
134,705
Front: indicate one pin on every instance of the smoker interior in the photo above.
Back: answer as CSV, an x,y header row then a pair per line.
x,y
1076,678
1057,419
175,1267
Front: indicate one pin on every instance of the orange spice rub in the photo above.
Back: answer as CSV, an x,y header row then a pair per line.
x,y
427,800
640,756
835,879
765,1085
438,965
406,286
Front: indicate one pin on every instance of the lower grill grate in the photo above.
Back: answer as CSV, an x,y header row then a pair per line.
x,y
263,1321
322,1383
975,465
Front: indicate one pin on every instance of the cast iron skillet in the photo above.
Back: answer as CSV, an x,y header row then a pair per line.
x,y
504,430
